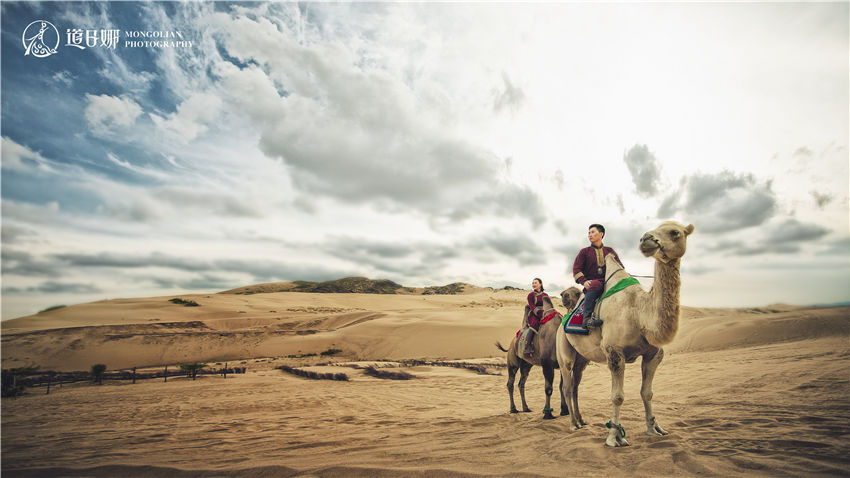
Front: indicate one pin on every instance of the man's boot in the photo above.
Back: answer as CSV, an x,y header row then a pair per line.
x,y
590,322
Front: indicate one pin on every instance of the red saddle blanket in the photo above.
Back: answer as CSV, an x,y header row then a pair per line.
x,y
546,318
572,323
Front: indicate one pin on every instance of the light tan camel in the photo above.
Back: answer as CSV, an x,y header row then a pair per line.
x,y
544,356
636,324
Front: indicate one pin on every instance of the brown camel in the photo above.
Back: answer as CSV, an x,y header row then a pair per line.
x,y
636,324
544,356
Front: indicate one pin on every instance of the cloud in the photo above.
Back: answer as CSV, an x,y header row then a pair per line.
x,y
822,199
510,97
53,287
204,282
104,112
358,134
804,152
12,233
64,77
838,247
19,157
191,118
793,231
17,262
261,270
516,246
644,168
722,202
787,237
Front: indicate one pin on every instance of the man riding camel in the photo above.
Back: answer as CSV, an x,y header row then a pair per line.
x,y
589,271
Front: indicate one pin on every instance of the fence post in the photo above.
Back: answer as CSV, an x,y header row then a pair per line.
x,y
49,376
165,375
225,370
134,374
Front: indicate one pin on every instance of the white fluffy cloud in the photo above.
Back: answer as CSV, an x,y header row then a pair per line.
x,y
359,133
191,118
104,112
18,156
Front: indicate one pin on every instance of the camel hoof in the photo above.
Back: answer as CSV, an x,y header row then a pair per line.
x,y
616,435
548,416
616,442
526,409
656,431
514,410
565,413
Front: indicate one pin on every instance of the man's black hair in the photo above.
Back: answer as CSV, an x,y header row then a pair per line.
x,y
599,227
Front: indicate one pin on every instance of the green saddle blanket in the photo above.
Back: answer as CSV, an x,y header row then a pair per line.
x,y
622,284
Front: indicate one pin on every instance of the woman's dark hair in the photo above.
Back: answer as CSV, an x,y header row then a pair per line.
x,y
540,281
599,227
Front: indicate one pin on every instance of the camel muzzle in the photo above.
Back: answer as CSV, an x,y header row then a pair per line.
x,y
649,245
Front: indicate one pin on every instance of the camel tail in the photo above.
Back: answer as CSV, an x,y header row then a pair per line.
x,y
499,345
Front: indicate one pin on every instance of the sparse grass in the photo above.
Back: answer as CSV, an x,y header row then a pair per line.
x,y
330,351
51,308
185,303
450,289
314,375
370,370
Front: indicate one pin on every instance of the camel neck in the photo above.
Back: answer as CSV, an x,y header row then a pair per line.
x,y
665,300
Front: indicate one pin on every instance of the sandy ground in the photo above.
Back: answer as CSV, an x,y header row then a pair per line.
x,y
747,392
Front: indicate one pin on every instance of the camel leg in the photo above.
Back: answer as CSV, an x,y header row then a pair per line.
x,y
566,360
578,370
524,368
648,365
617,366
549,375
564,409
512,369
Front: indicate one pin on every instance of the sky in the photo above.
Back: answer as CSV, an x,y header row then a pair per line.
x,y
425,143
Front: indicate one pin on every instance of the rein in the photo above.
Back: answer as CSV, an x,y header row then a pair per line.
x,y
611,275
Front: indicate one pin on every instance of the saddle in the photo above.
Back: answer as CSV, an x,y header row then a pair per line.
x,y
572,322
524,341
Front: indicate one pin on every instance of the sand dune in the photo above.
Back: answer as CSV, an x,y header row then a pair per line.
x,y
743,392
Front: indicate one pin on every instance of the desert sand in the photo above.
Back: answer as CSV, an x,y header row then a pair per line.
x,y
743,392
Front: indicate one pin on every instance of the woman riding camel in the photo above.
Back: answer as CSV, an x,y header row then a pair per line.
x,y
535,303
535,312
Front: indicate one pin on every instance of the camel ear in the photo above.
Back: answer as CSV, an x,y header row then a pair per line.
x,y
689,229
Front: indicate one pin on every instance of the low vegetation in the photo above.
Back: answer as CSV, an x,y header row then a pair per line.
x,y
55,307
192,369
348,285
11,380
374,372
314,375
186,303
451,289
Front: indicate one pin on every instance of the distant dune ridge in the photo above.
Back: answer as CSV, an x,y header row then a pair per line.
x,y
759,390
354,285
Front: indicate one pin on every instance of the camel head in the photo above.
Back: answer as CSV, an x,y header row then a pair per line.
x,y
666,242
570,297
